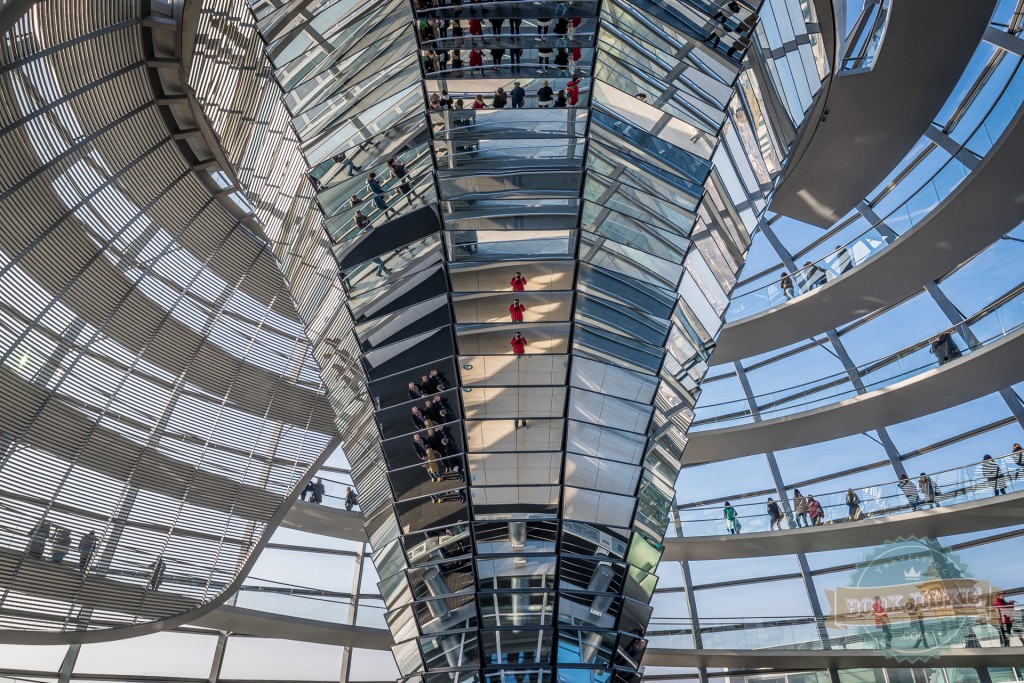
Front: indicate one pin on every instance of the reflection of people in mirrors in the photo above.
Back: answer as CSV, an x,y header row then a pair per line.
x,y
414,390
519,344
427,385
418,418
440,383
420,446
439,440
520,423
434,412
518,282
439,410
516,311
433,465
450,497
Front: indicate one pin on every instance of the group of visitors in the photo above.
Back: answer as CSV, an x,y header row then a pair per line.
x,y
813,275
547,98
1004,617
452,65
440,28
316,490
434,450
924,493
59,540
378,195
437,444
435,410
433,382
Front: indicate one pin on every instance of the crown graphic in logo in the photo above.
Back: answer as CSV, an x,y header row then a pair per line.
x,y
912,574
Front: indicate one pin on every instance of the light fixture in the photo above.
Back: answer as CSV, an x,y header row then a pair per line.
x,y
467,366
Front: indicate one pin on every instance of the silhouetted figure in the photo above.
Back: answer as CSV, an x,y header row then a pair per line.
x,y
37,540
910,491
844,260
786,285
61,545
994,473
944,348
86,547
156,573
882,620
816,277
774,515
915,616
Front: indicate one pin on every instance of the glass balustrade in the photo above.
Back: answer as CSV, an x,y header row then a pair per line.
x,y
334,493
188,576
309,603
920,204
818,633
952,487
986,327
865,38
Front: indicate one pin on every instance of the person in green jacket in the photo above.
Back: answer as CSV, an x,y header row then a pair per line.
x,y
732,523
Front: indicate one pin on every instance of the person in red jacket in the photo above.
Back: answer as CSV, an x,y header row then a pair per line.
x,y
518,282
1004,608
476,61
516,311
572,91
519,344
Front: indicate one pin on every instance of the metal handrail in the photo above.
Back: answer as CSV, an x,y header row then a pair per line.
x,y
947,493
840,378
